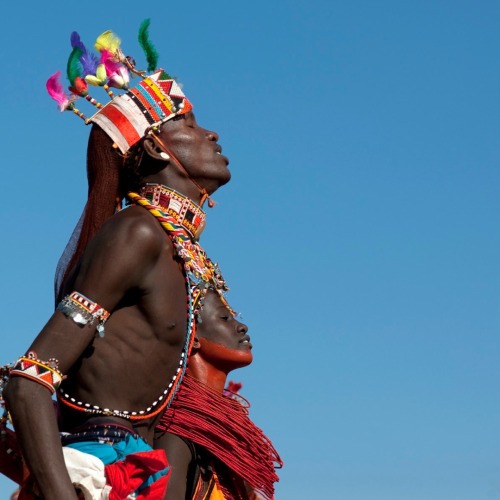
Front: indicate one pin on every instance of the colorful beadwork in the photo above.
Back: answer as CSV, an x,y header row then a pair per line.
x,y
45,373
127,117
83,311
187,213
201,271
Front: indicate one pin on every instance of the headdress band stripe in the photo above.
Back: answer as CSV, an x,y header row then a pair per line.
x,y
126,128
158,94
152,99
145,106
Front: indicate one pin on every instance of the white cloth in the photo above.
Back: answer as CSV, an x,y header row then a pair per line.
x,y
87,474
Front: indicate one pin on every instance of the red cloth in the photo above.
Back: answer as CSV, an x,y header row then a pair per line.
x,y
127,475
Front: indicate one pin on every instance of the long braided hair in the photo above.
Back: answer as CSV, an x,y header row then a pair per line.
x,y
104,163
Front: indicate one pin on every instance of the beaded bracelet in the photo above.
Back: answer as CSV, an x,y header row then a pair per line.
x,y
45,373
83,311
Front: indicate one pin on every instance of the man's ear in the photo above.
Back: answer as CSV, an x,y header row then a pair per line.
x,y
152,149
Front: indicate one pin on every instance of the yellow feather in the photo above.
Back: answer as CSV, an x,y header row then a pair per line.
x,y
107,41
99,78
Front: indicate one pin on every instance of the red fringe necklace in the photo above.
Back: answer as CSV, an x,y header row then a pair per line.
x,y
221,424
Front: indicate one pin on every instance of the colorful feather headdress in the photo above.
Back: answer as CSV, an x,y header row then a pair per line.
x,y
156,98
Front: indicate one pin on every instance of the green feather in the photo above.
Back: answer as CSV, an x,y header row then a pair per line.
x,y
147,46
74,68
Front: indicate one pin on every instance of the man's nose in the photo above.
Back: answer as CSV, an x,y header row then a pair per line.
x,y
212,136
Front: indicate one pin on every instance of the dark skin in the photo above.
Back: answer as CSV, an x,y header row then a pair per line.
x,y
130,269
221,345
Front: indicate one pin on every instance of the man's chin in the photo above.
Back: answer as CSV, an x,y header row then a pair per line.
x,y
227,178
219,182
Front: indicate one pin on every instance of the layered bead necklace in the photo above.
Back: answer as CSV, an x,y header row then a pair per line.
x,y
174,215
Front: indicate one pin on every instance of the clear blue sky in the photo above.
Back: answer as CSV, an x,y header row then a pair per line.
x,y
359,234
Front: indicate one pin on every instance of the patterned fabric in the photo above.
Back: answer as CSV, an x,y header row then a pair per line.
x,y
116,464
208,489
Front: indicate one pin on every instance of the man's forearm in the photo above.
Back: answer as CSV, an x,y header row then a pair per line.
x,y
32,410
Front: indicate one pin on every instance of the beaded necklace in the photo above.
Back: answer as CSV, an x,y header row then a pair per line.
x,y
219,422
201,273
200,270
187,213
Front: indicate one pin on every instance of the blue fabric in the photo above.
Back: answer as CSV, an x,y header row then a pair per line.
x,y
110,453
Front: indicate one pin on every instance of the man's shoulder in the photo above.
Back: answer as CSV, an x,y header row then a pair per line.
x,y
133,229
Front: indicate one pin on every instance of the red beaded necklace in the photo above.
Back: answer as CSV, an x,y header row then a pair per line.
x,y
221,425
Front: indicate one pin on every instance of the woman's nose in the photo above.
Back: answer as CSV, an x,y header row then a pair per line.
x,y
242,328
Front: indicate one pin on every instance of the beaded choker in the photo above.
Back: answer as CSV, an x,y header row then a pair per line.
x,y
187,213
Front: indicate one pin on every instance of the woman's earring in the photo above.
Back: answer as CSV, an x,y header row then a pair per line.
x,y
165,156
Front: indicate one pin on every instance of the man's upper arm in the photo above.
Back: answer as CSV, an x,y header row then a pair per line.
x,y
118,259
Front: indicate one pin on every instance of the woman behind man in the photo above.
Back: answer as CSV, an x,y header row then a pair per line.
x,y
214,449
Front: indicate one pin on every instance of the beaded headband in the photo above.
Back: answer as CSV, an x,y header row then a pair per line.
x,y
129,116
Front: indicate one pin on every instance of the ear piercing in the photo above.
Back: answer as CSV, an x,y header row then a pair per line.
x,y
164,155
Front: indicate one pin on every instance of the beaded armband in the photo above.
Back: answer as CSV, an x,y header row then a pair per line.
x,y
83,311
46,373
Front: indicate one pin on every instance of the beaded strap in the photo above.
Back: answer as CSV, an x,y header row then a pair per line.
x,y
43,372
83,311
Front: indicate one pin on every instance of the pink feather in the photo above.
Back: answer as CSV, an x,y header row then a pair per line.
x,y
116,72
56,91
108,59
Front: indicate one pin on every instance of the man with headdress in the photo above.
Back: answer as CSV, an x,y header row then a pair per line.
x,y
127,288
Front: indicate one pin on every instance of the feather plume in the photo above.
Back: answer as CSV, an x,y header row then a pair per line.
x,y
56,91
120,79
76,41
74,68
117,73
148,48
107,41
88,60
99,78
79,87
108,59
